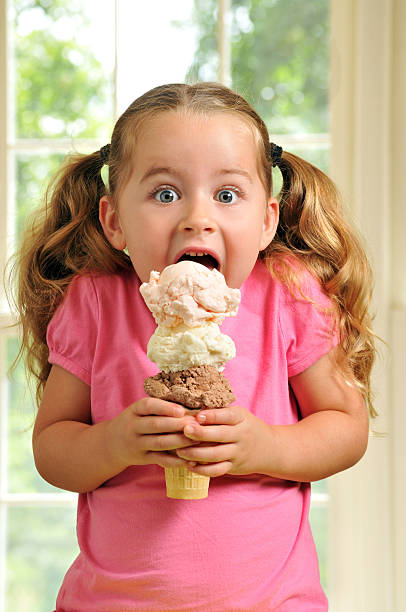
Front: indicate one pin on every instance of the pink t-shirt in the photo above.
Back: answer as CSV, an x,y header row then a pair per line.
x,y
248,546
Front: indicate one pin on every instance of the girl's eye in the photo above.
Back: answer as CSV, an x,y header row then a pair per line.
x,y
226,196
166,195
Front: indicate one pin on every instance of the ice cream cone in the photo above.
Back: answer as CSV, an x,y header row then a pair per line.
x,y
189,301
181,483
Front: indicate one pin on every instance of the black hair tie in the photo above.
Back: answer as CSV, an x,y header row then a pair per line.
x,y
276,154
104,153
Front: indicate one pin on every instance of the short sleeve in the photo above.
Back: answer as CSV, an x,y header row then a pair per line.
x,y
72,331
308,323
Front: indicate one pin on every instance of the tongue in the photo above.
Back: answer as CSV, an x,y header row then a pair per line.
x,y
204,260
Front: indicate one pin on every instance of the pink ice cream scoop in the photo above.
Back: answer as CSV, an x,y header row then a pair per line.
x,y
189,293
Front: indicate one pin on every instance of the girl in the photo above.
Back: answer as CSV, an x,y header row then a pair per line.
x,y
189,171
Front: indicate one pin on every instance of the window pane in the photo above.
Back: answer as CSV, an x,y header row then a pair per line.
x,y
204,64
64,60
315,154
155,46
321,486
33,172
22,475
280,61
319,525
41,544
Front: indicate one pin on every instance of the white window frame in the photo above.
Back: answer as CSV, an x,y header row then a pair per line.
x,y
367,101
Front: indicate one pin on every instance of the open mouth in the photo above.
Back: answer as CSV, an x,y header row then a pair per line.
x,y
205,259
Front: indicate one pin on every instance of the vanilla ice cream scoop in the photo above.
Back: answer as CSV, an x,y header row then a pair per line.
x,y
189,293
182,347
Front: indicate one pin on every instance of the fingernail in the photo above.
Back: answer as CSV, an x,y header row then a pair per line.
x,y
189,429
179,411
201,417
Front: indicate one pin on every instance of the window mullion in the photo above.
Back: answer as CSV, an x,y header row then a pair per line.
x,y
40,145
39,499
3,255
321,140
3,473
320,499
115,69
224,42
3,133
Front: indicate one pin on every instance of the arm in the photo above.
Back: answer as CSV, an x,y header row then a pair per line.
x,y
331,437
333,434
73,454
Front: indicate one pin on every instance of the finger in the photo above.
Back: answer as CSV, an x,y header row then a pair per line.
x,y
218,433
231,415
166,460
213,469
165,442
207,454
159,424
153,406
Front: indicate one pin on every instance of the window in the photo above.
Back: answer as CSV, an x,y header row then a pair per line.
x,y
68,69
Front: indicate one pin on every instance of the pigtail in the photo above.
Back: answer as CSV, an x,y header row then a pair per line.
x,y
63,239
313,229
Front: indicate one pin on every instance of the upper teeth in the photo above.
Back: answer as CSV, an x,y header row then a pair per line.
x,y
195,254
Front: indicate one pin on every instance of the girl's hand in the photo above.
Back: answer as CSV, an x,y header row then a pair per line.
x,y
232,440
146,431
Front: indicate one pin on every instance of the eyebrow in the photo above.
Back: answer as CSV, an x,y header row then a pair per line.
x,y
167,170
153,171
235,171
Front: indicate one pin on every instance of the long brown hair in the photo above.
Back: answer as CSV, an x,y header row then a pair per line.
x,y
66,238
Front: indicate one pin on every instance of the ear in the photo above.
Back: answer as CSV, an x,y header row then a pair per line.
x,y
270,223
110,222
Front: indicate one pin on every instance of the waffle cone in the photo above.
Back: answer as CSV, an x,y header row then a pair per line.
x,y
181,483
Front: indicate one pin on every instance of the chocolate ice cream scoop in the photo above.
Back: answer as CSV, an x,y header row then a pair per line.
x,y
200,387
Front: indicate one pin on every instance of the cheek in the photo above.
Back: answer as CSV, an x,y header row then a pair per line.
x,y
147,240
136,226
254,228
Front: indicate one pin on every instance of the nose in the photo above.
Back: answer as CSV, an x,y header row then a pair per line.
x,y
197,218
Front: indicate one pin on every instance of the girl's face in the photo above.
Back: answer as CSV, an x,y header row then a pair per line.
x,y
194,189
